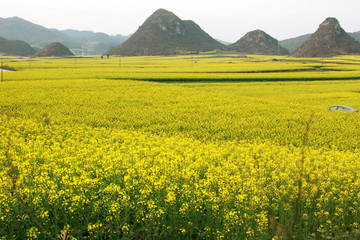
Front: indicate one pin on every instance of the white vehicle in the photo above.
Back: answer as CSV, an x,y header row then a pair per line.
x,y
342,108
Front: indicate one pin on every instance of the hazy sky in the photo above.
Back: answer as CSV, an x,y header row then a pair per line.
x,y
227,20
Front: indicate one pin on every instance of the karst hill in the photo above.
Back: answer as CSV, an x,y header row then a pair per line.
x,y
164,33
15,47
54,49
258,42
329,40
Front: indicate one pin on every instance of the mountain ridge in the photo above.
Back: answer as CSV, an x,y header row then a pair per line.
x,y
16,28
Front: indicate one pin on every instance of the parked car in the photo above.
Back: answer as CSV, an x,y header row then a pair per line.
x,y
342,108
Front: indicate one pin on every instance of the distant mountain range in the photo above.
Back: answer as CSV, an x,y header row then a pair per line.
x,y
92,43
80,42
162,33
293,43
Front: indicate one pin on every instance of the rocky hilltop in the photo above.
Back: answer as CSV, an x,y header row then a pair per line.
x,y
54,49
258,42
164,33
15,47
329,40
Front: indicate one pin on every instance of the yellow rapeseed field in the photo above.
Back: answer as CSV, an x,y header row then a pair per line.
x,y
180,147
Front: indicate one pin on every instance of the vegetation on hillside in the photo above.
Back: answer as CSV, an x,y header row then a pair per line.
x,y
163,33
293,43
81,42
15,47
328,40
54,49
258,42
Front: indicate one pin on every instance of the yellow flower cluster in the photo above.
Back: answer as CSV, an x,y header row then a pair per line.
x,y
116,176
129,159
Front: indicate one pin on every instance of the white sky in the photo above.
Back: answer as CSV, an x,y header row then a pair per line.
x,y
227,20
